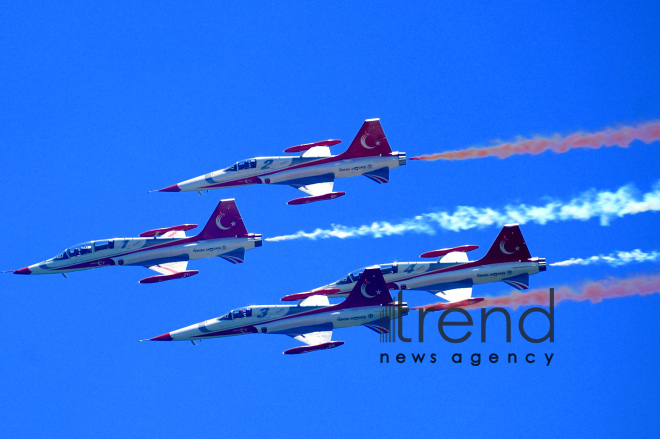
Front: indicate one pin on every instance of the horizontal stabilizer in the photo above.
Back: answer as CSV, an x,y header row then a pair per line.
x,y
164,277
381,175
235,256
520,282
157,232
444,251
301,296
444,305
306,146
318,347
307,200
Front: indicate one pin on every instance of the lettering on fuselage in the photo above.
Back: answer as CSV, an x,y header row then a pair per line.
x,y
356,168
339,319
501,273
211,249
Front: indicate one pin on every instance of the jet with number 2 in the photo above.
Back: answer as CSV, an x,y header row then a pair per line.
x,y
166,250
453,276
311,321
313,172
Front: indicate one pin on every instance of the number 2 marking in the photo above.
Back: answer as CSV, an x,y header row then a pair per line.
x,y
267,164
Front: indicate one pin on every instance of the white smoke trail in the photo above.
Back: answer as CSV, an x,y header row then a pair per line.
x,y
615,259
604,205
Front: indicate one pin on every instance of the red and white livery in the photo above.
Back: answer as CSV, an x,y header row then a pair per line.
x,y
166,250
452,277
313,172
311,321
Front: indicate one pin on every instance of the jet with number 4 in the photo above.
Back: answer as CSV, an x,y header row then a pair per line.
x,y
313,172
166,250
452,277
311,321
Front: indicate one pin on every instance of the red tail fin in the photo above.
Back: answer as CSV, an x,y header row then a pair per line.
x,y
225,222
370,290
508,247
369,141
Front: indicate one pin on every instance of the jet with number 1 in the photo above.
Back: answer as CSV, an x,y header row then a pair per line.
x,y
313,172
166,250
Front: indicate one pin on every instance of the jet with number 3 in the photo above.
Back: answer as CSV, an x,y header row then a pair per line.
x,y
166,250
311,321
452,277
313,172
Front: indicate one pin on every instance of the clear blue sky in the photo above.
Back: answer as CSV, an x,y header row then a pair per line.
x,y
101,104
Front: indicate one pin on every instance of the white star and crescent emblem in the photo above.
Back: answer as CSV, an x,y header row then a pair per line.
x,y
218,222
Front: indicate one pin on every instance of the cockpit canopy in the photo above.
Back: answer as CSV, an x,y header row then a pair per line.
x,y
85,248
354,276
237,314
239,166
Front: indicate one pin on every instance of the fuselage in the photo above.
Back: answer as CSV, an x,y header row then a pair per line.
x,y
139,251
440,276
284,319
289,171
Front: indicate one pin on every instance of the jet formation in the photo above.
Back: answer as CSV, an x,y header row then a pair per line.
x,y
312,320
313,172
166,250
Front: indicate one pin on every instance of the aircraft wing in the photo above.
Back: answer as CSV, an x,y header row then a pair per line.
x,y
316,341
314,338
170,268
454,295
169,271
317,189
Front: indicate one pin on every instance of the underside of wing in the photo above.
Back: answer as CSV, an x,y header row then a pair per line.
x,y
170,267
454,295
314,338
317,189
169,271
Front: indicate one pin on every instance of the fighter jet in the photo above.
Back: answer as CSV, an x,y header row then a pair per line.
x,y
451,278
314,172
311,321
166,250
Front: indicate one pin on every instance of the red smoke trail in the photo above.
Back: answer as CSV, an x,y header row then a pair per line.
x,y
647,133
612,288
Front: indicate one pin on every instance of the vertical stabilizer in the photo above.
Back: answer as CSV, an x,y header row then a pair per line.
x,y
225,222
370,290
508,247
369,141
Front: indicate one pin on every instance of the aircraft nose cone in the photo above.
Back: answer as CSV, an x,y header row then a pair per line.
x,y
173,188
163,337
24,270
